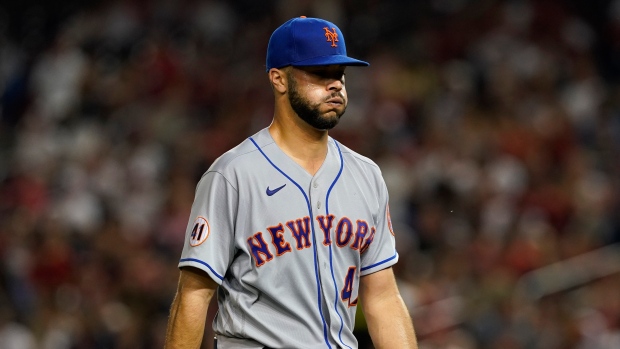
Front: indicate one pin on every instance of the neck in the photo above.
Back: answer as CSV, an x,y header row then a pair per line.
x,y
304,144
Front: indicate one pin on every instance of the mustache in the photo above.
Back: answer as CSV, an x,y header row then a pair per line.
x,y
336,94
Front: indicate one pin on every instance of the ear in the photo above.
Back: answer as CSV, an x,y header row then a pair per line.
x,y
277,77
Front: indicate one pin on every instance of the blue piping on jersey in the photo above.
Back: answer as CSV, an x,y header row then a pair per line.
x,y
381,262
331,266
316,271
203,263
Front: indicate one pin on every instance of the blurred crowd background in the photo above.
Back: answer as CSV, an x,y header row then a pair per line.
x,y
496,125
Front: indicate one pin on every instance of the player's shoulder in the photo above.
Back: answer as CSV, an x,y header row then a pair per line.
x,y
237,157
354,157
362,168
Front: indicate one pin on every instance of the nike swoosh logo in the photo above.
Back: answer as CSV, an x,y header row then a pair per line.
x,y
271,192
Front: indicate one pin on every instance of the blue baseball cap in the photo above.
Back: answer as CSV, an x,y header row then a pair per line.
x,y
305,41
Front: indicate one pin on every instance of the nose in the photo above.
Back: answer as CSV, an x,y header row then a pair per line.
x,y
335,85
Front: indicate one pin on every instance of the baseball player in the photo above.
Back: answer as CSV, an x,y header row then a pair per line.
x,y
291,227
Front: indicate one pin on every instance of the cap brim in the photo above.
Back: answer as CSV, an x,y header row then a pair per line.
x,y
330,60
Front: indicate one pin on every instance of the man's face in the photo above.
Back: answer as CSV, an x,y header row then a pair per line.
x,y
318,94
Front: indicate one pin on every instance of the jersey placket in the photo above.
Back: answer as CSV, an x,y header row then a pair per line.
x,y
318,192
317,196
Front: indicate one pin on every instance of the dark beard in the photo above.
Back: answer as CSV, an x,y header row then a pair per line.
x,y
308,112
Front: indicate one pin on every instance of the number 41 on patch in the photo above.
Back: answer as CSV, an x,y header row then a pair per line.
x,y
200,232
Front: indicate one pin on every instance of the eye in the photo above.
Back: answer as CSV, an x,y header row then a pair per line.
x,y
330,74
325,73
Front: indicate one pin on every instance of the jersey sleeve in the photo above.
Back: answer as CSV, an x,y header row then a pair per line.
x,y
379,251
209,237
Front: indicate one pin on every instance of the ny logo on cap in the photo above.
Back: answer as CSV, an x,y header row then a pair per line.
x,y
331,36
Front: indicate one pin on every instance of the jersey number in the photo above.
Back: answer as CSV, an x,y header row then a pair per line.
x,y
347,290
197,231
200,233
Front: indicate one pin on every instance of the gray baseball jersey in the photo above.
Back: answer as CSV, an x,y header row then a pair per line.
x,y
288,248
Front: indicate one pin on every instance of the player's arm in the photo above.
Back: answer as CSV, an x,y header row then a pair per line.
x,y
389,323
189,309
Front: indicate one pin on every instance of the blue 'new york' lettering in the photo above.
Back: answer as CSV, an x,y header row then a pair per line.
x,y
301,233
259,249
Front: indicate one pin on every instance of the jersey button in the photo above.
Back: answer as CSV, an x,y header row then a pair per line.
x,y
318,205
316,184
